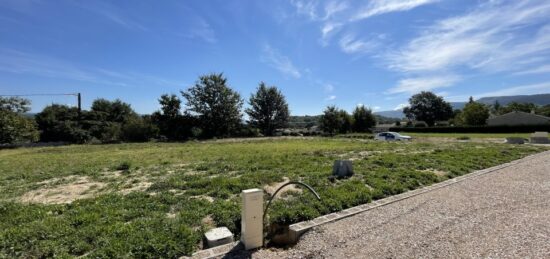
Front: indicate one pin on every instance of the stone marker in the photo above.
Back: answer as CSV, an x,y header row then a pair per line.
x,y
218,237
342,169
539,138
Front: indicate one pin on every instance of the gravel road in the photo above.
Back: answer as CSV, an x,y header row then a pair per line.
x,y
503,214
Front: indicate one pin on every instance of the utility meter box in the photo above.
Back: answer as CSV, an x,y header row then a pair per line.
x,y
252,226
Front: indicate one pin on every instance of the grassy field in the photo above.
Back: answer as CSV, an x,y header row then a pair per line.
x,y
470,135
157,199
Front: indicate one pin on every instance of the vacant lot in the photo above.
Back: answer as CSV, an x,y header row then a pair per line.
x,y
155,199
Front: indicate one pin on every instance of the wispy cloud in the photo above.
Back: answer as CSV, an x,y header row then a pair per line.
x,y
349,44
401,106
201,29
521,89
415,85
113,14
330,98
379,7
491,37
280,62
544,69
26,63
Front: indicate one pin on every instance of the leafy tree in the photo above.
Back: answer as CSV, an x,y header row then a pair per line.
x,y
521,107
544,110
268,109
363,119
495,109
217,105
330,121
15,104
474,114
170,105
428,107
113,111
140,129
172,124
14,126
346,122
61,123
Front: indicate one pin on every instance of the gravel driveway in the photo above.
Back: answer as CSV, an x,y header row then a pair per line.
x,y
501,214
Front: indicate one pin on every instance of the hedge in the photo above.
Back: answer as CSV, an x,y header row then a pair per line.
x,y
475,129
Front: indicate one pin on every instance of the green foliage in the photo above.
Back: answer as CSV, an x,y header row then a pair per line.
x,y
268,109
428,107
521,107
335,121
363,119
139,130
217,105
474,114
14,127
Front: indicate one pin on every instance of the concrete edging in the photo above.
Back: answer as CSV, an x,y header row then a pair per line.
x,y
296,230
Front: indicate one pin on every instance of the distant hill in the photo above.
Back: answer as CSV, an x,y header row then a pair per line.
x,y
538,99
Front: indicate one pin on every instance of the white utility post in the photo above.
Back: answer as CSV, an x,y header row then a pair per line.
x,y
252,226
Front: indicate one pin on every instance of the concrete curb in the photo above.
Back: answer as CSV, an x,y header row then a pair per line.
x,y
296,230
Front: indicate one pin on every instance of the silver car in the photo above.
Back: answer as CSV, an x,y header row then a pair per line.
x,y
391,136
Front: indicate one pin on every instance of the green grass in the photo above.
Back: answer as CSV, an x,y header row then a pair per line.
x,y
168,217
470,135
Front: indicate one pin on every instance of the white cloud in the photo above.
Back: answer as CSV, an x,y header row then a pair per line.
x,y
401,106
492,37
415,85
329,88
280,62
521,89
113,14
19,62
307,8
349,44
379,7
330,98
537,70
376,108
334,7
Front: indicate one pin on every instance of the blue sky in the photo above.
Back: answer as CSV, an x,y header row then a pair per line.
x,y
319,53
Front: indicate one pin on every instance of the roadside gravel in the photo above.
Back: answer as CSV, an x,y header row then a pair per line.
x,y
503,214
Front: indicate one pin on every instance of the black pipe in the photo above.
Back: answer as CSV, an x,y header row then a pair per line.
x,y
280,188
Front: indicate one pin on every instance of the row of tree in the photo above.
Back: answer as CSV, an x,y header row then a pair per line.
x,y
430,108
212,109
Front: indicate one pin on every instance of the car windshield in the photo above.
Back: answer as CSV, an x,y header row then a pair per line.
x,y
395,134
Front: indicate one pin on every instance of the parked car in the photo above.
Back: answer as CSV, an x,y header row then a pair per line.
x,y
391,136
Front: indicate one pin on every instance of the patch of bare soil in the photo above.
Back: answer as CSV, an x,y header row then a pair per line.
x,y
78,187
140,186
272,188
436,172
203,197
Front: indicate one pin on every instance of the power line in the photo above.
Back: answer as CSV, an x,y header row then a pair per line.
x,y
69,94
16,95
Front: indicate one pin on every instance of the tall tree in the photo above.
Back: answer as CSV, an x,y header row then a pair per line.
x,y
363,119
474,114
216,104
170,105
428,107
268,109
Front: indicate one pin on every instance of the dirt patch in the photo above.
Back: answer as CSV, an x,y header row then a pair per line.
x,y
203,197
436,172
77,188
272,188
141,186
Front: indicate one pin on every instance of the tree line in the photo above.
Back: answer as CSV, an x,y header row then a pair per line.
x,y
208,109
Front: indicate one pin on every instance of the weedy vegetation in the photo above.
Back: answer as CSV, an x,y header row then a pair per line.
x,y
157,199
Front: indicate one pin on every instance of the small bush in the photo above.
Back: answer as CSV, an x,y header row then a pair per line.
x,y
463,138
125,166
